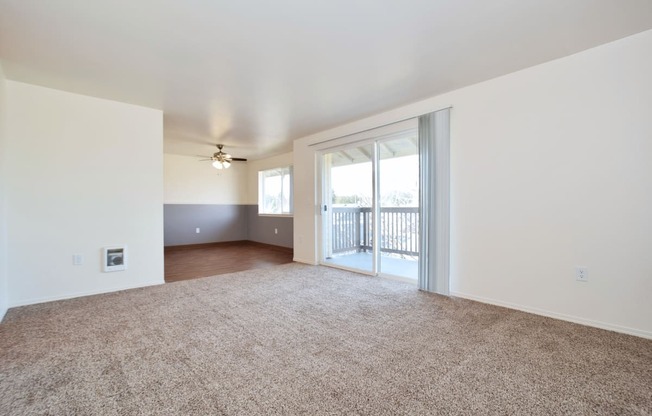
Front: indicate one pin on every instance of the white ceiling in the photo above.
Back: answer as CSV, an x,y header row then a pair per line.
x,y
258,74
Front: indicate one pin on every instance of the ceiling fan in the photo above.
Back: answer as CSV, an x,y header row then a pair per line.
x,y
223,160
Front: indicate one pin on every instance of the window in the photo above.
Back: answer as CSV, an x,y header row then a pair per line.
x,y
275,191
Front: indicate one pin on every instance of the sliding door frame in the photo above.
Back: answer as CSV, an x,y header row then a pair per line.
x,y
372,137
324,202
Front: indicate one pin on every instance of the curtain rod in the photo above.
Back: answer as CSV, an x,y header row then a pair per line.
x,y
377,127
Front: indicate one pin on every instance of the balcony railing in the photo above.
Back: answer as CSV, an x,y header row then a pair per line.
x,y
353,231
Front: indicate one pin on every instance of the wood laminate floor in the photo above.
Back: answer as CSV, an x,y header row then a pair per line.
x,y
202,260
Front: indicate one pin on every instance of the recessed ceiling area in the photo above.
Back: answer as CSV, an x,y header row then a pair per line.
x,y
255,75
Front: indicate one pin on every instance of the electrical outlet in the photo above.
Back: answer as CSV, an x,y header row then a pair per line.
x,y
581,274
77,259
197,230
275,230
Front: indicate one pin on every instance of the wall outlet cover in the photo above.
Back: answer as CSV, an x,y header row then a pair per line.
x,y
581,274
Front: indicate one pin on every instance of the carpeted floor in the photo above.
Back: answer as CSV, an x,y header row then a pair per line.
x,y
296,339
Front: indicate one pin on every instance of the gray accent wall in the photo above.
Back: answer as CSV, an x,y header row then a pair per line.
x,y
262,228
217,223
220,223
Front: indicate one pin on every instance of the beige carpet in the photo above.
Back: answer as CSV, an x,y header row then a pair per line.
x,y
297,339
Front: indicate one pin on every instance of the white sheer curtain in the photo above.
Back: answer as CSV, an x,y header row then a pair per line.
x,y
434,201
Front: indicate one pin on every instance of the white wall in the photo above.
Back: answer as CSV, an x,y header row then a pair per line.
x,y
255,166
83,173
189,181
4,299
550,170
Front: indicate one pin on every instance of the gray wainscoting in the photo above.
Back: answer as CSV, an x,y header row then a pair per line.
x,y
219,223
262,228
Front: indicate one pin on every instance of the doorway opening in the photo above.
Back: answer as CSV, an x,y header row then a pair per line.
x,y
370,206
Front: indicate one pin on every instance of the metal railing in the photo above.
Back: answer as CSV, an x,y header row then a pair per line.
x,y
352,230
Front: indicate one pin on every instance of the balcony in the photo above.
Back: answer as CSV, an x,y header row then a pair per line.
x,y
351,239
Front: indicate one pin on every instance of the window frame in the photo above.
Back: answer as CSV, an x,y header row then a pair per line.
x,y
286,170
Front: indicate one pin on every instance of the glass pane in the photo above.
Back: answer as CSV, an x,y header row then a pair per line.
x,y
348,183
276,191
398,184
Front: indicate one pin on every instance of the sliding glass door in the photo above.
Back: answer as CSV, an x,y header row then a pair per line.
x,y
348,208
370,209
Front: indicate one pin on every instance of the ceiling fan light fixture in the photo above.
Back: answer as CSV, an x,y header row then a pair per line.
x,y
221,164
221,160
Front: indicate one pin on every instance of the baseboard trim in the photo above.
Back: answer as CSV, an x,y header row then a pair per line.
x,y
81,294
271,246
206,245
304,261
228,243
555,315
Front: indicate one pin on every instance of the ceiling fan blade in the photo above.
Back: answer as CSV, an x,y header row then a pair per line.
x,y
204,160
238,159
